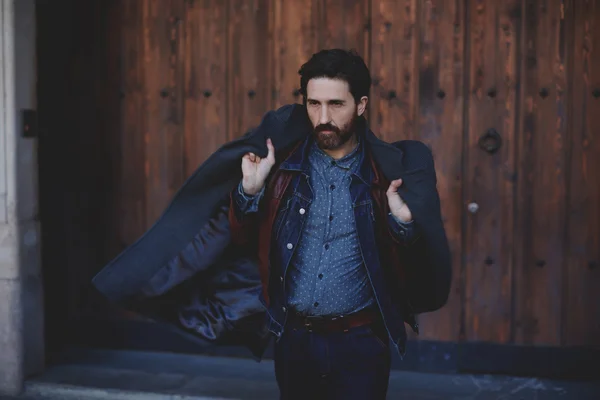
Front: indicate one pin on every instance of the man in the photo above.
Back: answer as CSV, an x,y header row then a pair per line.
x,y
337,232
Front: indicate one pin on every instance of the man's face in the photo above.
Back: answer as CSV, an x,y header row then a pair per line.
x,y
332,111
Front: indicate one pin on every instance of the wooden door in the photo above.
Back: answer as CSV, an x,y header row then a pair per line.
x,y
490,175
531,84
418,67
505,93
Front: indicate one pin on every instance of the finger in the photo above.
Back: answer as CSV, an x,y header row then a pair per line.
x,y
271,148
394,185
252,157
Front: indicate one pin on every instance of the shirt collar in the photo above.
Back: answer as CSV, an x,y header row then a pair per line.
x,y
347,162
298,160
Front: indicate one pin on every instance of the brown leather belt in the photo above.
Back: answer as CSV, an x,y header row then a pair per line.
x,y
343,323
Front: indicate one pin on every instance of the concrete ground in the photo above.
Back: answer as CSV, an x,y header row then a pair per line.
x,y
115,375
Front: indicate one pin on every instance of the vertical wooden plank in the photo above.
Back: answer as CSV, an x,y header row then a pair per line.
x,y
296,39
163,97
394,68
582,305
346,25
134,124
205,77
96,219
109,88
249,64
440,123
493,46
541,190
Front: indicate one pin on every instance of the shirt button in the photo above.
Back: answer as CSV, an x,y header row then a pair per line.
x,y
302,211
332,187
320,276
290,246
316,304
331,218
327,247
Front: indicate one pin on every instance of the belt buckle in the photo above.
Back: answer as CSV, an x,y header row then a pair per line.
x,y
308,325
340,317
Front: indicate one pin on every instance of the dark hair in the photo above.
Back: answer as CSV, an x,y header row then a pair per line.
x,y
341,64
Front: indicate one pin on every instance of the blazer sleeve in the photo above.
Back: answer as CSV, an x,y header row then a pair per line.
x,y
243,217
428,259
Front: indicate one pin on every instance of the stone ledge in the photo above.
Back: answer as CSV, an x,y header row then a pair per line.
x,y
54,391
91,374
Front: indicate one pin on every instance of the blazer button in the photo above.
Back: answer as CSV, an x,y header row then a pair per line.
x,y
302,211
284,309
281,278
290,246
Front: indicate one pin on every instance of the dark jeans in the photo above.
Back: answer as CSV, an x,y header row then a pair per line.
x,y
350,365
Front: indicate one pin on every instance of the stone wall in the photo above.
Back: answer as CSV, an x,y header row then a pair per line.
x,y
21,305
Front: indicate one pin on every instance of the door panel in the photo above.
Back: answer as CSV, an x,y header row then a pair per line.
x,y
581,315
345,24
440,125
542,171
250,49
296,27
394,68
205,80
493,46
165,83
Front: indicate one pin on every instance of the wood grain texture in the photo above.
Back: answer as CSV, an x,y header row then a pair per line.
x,y
493,77
205,80
163,76
346,24
296,39
541,195
394,68
166,82
134,124
440,125
249,55
581,320
110,123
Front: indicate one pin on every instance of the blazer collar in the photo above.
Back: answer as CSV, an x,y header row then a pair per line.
x,y
289,134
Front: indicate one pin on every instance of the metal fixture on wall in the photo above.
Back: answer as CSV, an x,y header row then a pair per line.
x,y
490,141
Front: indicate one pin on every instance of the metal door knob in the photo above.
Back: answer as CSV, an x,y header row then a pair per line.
x,y
473,208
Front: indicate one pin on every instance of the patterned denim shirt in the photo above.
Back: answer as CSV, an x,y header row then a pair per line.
x,y
327,275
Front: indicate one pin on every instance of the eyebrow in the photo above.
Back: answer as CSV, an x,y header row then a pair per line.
x,y
328,101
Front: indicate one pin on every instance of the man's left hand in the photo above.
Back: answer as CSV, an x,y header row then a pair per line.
x,y
398,207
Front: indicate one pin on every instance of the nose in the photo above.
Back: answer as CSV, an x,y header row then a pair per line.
x,y
325,118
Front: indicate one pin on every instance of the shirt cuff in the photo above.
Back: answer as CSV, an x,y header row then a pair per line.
x,y
246,203
404,232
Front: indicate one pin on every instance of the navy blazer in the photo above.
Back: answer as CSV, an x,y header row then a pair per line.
x,y
187,254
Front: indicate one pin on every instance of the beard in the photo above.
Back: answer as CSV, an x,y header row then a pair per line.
x,y
335,137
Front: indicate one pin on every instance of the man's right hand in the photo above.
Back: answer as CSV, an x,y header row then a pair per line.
x,y
255,170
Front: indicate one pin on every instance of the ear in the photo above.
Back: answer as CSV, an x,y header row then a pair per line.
x,y
362,105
